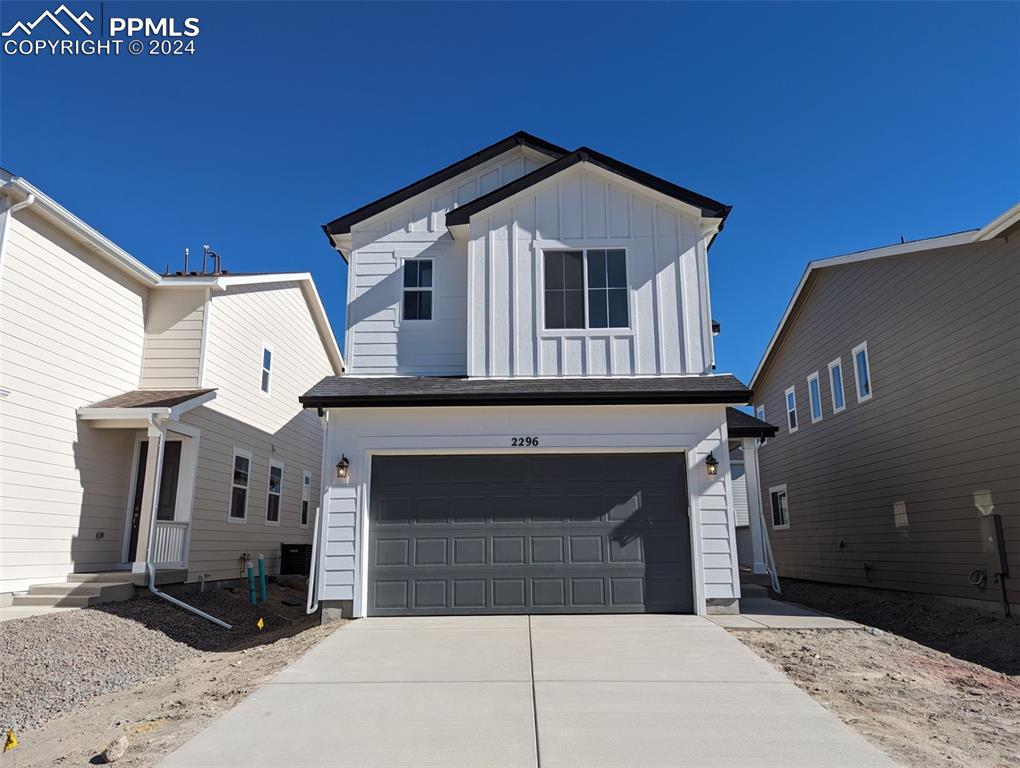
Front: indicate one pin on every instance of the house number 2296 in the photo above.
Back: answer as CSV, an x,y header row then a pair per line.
x,y
524,442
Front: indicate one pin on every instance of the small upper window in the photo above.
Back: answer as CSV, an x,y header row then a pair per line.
x,y
815,394
418,289
780,507
273,496
791,409
760,412
862,372
306,496
586,289
836,385
267,368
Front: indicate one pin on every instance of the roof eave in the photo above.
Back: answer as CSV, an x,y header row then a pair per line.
x,y
722,397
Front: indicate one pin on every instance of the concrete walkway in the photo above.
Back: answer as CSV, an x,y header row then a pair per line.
x,y
765,613
644,691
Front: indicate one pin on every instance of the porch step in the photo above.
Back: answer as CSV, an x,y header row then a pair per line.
x,y
83,590
63,601
115,576
77,593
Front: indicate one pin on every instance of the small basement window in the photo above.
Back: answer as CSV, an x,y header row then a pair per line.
x,y
862,372
239,486
791,409
780,507
275,491
267,368
417,289
815,395
836,385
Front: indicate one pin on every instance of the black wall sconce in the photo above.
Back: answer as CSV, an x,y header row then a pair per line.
x,y
712,465
343,468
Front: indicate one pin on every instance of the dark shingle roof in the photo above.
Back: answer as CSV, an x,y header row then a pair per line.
x,y
740,424
150,398
366,391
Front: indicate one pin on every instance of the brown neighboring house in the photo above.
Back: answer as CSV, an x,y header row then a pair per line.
x,y
895,374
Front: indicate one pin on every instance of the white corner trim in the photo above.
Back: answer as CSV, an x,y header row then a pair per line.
x,y
203,351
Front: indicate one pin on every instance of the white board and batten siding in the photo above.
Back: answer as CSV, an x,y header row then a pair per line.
x,y
363,432
73,334
378,342
670,324
274,427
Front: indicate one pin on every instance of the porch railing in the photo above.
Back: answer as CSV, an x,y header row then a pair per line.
x,y
168,544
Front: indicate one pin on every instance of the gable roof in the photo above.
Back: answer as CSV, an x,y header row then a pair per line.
x,y
41,203
342,225
993,229
709,208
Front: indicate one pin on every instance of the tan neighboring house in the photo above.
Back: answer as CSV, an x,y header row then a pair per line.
x,y
895,374
127,395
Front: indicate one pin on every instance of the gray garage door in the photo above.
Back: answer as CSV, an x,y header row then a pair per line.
x,y
585,533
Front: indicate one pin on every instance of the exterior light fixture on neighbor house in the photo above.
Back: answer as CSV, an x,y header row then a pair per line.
x,y
712,465
343,468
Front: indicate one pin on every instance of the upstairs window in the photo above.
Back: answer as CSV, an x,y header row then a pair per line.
x,y
267,369
780,507
862,372
815,395
418,289
836,385
791,409
586,289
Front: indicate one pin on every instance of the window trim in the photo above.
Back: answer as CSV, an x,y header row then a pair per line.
x,y
618,330
842,385
811,400
759,412
403,290
274,464
779,489
268,392
862,347
786,401
244,453
304,512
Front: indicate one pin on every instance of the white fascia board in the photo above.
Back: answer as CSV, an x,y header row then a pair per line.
x,y
999,224
51,210
187,405
898,249
122,414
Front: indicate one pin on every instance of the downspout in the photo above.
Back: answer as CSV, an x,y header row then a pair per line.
x,y
5,227
149,567
312,601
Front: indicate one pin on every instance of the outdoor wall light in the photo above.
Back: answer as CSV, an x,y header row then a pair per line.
x,y
343,467
712,465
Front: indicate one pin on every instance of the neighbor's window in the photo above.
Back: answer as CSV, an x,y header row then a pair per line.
x,y
586,289
306,496
815,395
836,384
791,409
760,412
275,491
862,372
418,289
780,507
267,368
239,485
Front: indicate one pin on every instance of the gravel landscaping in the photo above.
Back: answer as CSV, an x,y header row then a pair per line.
x,y
55,663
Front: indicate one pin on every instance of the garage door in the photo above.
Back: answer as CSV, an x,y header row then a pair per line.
x,y
585,533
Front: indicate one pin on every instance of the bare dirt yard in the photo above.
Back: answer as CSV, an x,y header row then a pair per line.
x,y
910,689
72,682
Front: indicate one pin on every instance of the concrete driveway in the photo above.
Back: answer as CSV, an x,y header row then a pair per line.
x,y
529,692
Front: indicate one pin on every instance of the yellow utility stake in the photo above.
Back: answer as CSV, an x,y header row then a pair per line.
x,y
260,624
11,742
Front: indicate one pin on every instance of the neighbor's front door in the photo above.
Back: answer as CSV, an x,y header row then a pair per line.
x,y
167,489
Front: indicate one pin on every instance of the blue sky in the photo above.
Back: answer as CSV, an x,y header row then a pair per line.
x,y
829,127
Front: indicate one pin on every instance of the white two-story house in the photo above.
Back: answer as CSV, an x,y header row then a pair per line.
x,y
531,421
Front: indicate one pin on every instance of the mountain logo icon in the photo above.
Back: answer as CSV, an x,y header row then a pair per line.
x,y
63,18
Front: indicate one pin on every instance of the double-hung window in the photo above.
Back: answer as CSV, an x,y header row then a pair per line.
x,y
267,369
275,491
791,409
586,289
862,372
780,507
306,496
815,396
239,486
417,289
836,385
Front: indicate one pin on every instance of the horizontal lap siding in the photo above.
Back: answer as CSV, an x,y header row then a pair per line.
x,y
939,436
173,339
274,428
73,334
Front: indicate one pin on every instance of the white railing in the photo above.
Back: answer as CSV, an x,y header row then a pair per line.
x,y
168,544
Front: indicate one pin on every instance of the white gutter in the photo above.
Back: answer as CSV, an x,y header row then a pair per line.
x,y
149,567
5,225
